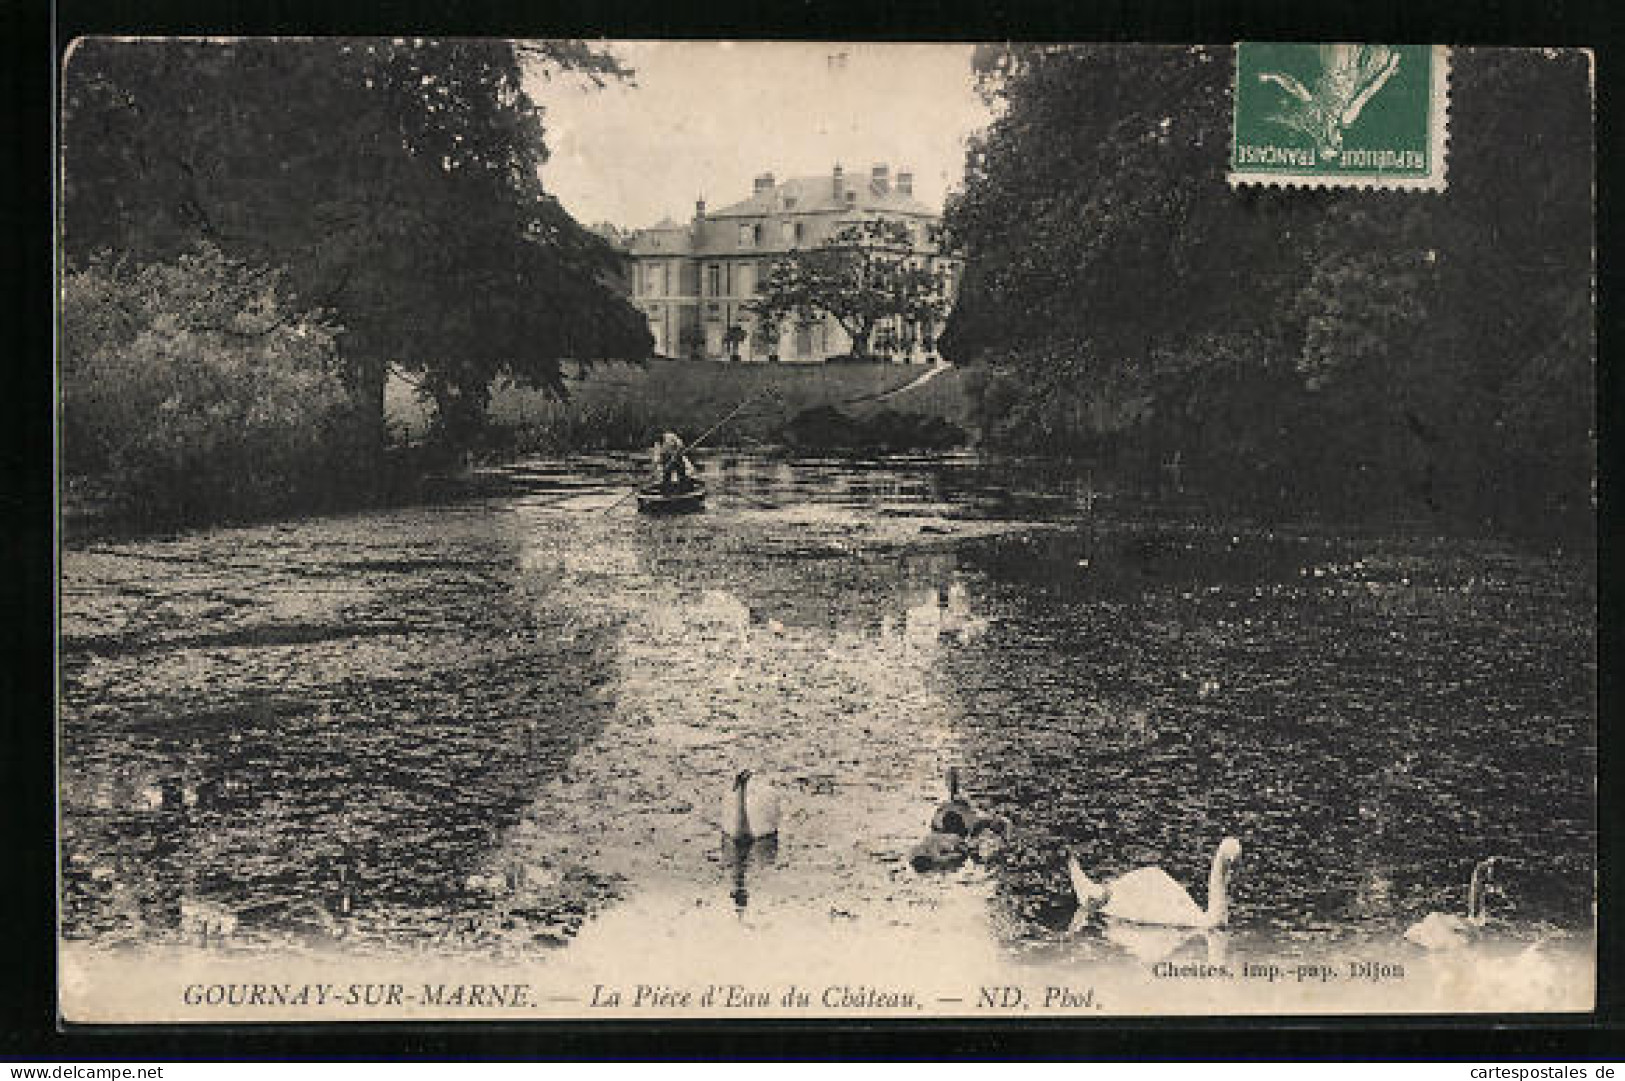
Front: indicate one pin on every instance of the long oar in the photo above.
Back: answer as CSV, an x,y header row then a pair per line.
x,y
709,432
628,494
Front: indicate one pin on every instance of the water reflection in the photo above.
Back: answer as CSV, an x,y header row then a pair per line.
x,y
744,858
816,673
1150,944
504,727
240,775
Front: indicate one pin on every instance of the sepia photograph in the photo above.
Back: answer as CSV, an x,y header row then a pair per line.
x,y
596,529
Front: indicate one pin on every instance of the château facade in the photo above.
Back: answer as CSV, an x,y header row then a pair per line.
x,y
694,282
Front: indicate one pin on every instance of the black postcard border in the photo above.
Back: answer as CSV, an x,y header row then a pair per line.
x,y
29,1027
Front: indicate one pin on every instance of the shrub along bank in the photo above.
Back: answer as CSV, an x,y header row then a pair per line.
x,y
193,391
619,406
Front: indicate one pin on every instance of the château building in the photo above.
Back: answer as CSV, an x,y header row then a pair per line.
x,y
693,282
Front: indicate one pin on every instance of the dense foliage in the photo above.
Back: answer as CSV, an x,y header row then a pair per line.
x,y
197,390
1425,352
867,278
396,183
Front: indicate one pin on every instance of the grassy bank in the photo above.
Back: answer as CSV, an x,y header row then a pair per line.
x,y
621,406
946,395
610,407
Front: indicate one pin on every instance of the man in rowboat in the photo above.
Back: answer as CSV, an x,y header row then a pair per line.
x,y
671,459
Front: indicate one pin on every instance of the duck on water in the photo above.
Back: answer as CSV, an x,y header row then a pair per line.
x,y
957,828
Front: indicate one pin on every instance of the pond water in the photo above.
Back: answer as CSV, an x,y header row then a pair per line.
x,y
499,731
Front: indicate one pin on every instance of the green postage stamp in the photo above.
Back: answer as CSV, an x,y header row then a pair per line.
x,y
1340,115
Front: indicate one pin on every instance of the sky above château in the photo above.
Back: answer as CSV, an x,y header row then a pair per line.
x,y
701,119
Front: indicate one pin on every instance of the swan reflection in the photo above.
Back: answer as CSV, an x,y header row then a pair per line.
x,y
1150,944
743,859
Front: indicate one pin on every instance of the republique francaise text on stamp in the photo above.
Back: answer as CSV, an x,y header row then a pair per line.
x,y
1341,115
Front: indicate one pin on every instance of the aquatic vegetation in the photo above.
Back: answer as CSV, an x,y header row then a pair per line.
x,y
500,726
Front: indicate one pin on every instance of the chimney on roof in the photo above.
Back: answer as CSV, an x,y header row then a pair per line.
x,y
838,175
880,176
764,183
905,182
699,209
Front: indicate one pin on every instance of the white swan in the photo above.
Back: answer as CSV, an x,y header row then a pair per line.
x,y
1150,895
1447,931
750,809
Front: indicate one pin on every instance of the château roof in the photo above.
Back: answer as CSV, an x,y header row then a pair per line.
x,y
664,237
816,194
815,197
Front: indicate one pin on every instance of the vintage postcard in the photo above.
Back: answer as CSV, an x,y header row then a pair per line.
x,y
754,530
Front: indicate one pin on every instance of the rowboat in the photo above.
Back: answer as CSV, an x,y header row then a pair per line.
x,y
655,499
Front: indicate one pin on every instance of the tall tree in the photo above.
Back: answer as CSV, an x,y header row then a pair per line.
x,y
395,181
867,274
1431,350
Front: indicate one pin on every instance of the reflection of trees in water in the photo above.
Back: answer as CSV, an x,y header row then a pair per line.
x,y
815,672
204,780
352,803
1173,683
